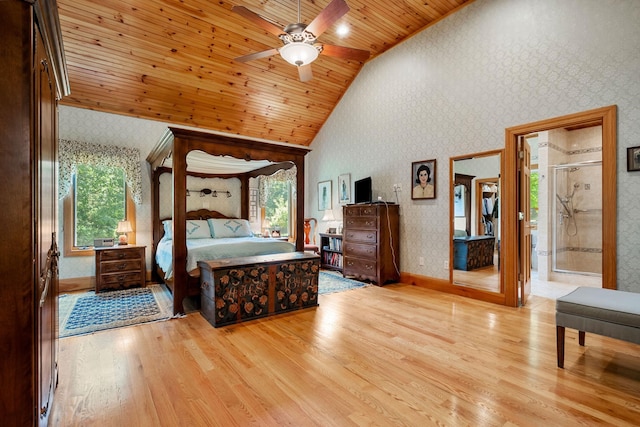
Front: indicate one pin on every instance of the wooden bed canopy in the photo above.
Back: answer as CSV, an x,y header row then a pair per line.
x,y
175,144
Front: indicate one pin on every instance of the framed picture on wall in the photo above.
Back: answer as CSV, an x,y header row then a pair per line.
x,y
423,179
324,195
344,188
633,159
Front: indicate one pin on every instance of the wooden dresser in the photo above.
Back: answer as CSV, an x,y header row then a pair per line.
x,y
120,267
371,242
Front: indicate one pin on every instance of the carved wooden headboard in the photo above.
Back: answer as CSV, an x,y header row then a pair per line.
x,y
205,214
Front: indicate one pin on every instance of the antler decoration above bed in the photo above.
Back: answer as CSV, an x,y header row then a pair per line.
x,y
207,191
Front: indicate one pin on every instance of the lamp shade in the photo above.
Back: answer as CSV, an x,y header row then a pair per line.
x,y
328,215
298,53
124,227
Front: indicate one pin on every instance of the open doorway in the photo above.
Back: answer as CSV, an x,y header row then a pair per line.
x,y
515,277
566,209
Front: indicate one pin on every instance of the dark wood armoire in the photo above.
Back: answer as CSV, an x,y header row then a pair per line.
x,y
33,79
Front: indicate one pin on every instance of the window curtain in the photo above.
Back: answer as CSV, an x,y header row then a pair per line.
x,y
73,153
286,175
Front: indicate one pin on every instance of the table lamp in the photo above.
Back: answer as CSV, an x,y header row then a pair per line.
x,y
329,219
124,227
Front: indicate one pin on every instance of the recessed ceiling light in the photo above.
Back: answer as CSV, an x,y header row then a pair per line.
x,y
342,30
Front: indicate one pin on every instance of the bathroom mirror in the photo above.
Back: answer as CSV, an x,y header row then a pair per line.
x,y
475,216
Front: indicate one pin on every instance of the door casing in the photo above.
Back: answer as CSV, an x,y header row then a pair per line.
x,y
605,116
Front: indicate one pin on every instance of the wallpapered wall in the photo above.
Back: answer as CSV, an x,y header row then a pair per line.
x,y
454,88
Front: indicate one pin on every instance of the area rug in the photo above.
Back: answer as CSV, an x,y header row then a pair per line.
x,y
329,283
88,312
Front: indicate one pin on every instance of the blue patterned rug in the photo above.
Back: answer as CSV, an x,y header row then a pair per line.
x,y
88,312
331,282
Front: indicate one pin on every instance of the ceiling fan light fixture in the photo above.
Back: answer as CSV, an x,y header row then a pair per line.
x,y
299,53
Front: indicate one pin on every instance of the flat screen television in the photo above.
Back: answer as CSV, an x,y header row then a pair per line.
x,y
362,190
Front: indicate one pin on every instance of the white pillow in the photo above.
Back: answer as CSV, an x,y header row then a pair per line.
x,y
198,229
221,228
167,223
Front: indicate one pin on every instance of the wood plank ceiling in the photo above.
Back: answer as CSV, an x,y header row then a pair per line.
x,y
173,60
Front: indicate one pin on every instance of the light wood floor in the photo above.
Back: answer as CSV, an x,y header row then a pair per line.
x,y
396,355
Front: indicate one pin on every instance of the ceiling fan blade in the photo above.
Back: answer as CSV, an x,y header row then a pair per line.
x,y
304,72
256,55
327,17
345,52
258,20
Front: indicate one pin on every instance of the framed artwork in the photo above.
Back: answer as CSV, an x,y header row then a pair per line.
x,y
423,179
324,195
633,159
344,188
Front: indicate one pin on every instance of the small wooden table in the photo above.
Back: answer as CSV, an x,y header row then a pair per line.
x,y
120,267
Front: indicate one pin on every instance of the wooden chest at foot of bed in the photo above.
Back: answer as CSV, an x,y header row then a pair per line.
x,y
233,290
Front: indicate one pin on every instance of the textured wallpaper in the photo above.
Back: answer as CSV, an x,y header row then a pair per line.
x,y
449,91
454,88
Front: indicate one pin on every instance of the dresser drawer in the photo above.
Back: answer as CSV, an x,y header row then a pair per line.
x,y
364,236
362,222
365,269
121,266
360,251
120,279
120,254
351,211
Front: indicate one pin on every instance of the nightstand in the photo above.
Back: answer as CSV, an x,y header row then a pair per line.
x,y
120,267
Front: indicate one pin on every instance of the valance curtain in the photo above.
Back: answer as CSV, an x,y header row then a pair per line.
x,y
283,175
73,153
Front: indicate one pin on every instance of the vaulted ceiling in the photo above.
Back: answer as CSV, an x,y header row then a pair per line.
x,y
173,60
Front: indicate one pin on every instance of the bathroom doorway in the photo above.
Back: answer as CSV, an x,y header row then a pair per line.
x,y
601,121
566,208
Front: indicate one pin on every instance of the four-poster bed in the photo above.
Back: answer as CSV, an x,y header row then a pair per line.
x,y
173,149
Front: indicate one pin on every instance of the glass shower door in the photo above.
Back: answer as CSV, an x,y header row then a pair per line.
x,y
577,222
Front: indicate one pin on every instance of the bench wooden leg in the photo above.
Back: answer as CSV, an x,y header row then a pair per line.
x,y
560,345
581,338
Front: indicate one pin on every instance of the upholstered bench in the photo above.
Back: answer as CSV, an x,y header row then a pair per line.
x,y
606,312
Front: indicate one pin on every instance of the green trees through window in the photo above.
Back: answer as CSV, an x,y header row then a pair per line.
x,y
277,207
534,183
100,202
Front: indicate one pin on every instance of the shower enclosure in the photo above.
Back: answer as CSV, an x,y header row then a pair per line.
x,y
577,222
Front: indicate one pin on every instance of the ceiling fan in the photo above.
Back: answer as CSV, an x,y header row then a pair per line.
x,y
299,40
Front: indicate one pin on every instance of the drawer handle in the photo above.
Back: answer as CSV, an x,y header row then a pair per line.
x,y
370,223
369,267
370,236
122,266
120,255
120,279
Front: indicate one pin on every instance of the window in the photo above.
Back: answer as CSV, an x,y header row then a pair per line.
x,y
277,208
96,203
534,183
